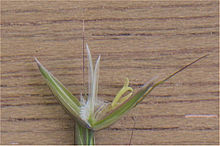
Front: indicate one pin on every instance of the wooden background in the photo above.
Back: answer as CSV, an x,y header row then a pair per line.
x,y
138,40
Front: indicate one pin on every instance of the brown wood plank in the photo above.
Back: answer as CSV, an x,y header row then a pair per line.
x,y
138,40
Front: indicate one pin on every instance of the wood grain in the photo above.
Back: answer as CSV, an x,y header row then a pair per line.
x,y
138,40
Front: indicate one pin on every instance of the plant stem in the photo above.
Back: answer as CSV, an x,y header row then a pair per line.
x,y
83,136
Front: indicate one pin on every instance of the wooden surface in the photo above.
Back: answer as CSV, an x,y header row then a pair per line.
x,y
138,40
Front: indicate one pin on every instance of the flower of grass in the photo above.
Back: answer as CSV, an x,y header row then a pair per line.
x,y
91,113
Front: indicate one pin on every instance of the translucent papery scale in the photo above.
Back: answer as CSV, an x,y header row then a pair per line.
x,y
101,109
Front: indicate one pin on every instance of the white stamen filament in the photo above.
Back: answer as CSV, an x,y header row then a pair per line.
x,y
95,84
90,70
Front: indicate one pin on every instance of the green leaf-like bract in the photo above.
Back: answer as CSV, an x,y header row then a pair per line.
x,y
69,102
